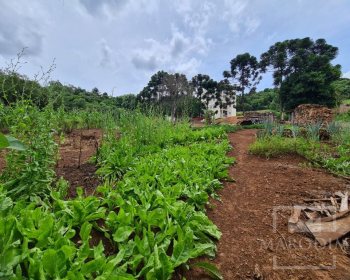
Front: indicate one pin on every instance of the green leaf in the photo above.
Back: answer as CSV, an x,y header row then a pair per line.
x,y
69,251
15,144
164,268
5,203
182,247
85,231
53,262
92,266
4,143
211,269
122,233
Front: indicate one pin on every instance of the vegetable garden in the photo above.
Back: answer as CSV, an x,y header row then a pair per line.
x,y
147,218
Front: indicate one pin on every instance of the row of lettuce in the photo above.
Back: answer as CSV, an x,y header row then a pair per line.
x,y
146,220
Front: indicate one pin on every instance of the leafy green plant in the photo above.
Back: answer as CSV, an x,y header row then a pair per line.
x,y
210,269
149,211
313,131
9,142
30,171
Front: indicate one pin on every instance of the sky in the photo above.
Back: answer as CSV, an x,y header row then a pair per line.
x,y
117,45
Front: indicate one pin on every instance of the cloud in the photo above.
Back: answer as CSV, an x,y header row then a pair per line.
x,y
111,9
146,62
127,40
196,14
178,44
174,54
239,18
346,75
106,54
189,67
251,24
101,7
18,31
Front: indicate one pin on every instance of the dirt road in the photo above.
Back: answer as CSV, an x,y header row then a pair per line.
x,y
249,247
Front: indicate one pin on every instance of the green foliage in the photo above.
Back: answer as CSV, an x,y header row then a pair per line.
x,y
277,145
10,142
30,171
335,158
344,117
15,87
313,131
83,119
255,101
150,209
311,86
210,269
206,90
342,90
244,72
142,135
171,94
302,71
209,117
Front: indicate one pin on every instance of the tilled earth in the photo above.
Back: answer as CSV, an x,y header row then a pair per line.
x,y
74,165
250,246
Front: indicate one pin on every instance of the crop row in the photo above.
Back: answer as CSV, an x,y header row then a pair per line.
x,y
146,219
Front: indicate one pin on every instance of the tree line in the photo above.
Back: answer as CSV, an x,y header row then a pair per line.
x,y
301,69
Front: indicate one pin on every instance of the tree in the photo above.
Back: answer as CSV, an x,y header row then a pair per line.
x,y
150,92
262,100
342,89
174,87
15,87
244,73
127,101
225,94
95,91
311,86
302,71
205,88
171,93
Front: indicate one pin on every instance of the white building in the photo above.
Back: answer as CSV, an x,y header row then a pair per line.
x,y
225,112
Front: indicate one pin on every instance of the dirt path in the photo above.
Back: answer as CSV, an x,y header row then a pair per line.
x,y
249,246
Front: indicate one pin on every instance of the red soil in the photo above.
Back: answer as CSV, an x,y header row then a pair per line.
x,y
74,166
249,245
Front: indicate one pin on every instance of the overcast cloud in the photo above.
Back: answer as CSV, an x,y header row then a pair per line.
x,y
119,44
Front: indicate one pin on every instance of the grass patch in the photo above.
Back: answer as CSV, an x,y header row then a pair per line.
x,y
344,117
335,158
276,146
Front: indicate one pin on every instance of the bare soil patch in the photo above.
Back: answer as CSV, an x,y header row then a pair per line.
x,y
2,160
250,248
73,165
